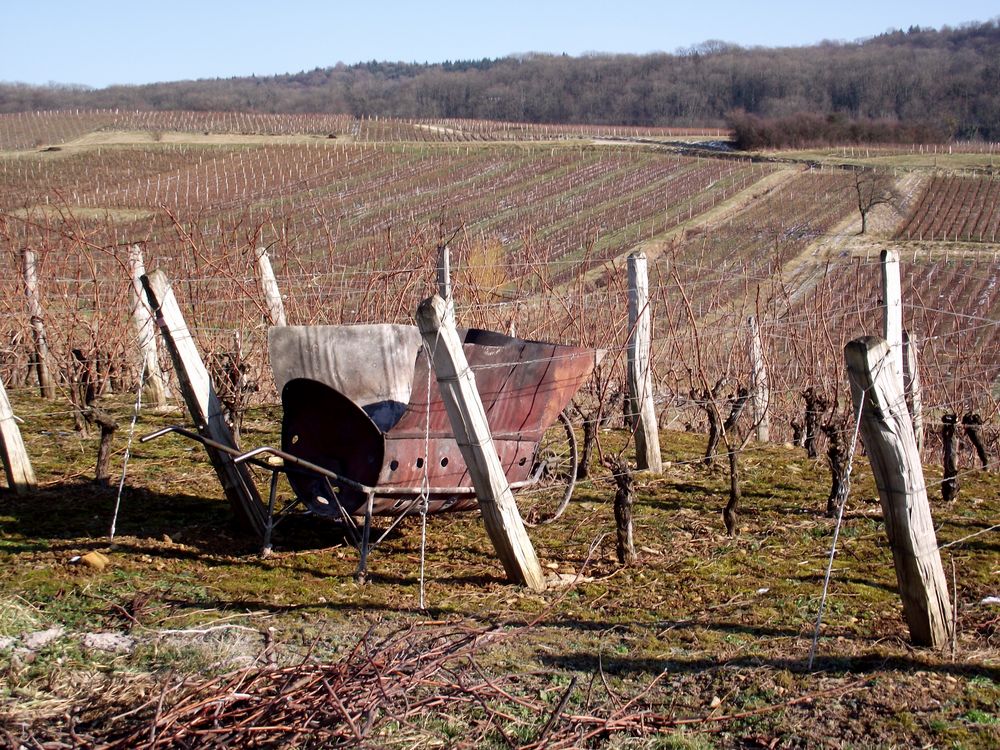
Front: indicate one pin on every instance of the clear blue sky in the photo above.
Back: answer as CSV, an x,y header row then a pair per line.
x,y
98,42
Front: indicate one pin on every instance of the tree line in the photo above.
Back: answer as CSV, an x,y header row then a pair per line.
x,y
807,130
946,80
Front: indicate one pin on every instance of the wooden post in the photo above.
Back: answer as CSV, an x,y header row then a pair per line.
x,y
472,433
892,310
911,387
887,434
45,384
203,403
444,272
444,283
760,391
16,464
641,410
902,355
269,286
155,384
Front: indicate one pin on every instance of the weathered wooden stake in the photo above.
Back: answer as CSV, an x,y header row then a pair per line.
x,y
641,409
760,391
45,385
911,387
444,272
269,287
16,464
903,356
472,433
203,403
887,434
892,310
155,386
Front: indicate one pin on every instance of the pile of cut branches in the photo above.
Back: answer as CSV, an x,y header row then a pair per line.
x,y
414,686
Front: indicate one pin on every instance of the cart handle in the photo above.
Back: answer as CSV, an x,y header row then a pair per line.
x,y
288,458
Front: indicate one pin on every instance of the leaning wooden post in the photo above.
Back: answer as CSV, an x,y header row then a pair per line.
x,y
760,391
911,387
155,386
16,464
203,403
269,286
472,433
45,384
892,310
641,409
887,434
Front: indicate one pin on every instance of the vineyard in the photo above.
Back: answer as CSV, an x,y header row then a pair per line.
x,y
338,218
959,209
538,221
32,130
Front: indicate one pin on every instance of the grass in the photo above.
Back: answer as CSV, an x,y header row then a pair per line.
x,y
957,161
702,616
81,213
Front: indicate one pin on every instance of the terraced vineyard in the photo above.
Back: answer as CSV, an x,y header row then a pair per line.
x,y
339,217
31,130
951,308
538,219
956,208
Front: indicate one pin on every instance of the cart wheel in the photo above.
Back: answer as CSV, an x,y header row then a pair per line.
x,y
555,460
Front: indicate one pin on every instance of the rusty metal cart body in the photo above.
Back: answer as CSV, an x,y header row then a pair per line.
x,y
365,432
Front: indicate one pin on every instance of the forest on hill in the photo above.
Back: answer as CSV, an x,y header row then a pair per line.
x,y
946,80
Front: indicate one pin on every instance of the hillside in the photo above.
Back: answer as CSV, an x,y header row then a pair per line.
x,y
948,79
180,632
539,219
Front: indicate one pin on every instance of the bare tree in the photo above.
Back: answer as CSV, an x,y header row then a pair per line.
x,y
873,189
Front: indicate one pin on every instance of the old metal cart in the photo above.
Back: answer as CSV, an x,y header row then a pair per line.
x,y
365,432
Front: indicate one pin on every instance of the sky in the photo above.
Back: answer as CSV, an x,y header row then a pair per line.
x,y
98,43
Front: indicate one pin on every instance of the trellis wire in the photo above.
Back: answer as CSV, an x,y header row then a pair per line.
x,y
128,448
425,483
841,503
